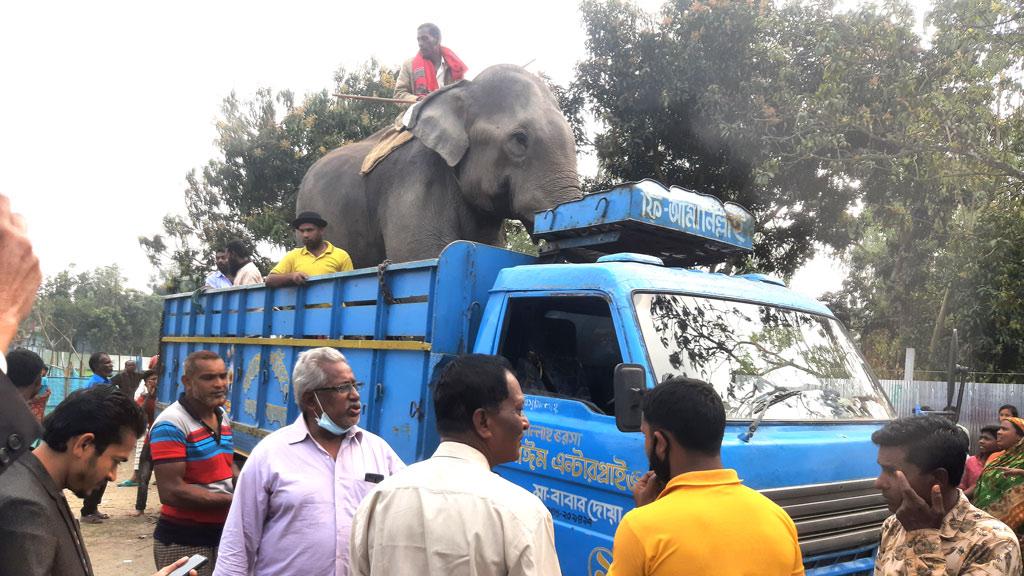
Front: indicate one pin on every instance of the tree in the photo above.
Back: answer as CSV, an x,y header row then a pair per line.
x,y
985,266
95,312
956,166
837,128
797,111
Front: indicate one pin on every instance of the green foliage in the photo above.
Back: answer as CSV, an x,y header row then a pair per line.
x,y
838,128
518,238
714,97
267,143
985,267
955,169
797,111
94,312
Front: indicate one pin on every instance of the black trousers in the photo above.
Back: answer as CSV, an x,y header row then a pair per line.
x,y
145,473
92,501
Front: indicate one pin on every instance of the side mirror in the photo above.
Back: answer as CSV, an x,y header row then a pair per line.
x,y
630,384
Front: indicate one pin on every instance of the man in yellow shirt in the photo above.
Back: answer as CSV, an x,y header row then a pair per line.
x,y
702,521
317,256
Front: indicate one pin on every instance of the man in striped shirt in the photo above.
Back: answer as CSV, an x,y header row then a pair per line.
x,y
193,460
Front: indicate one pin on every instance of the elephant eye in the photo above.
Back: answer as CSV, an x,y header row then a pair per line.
x,y
519,137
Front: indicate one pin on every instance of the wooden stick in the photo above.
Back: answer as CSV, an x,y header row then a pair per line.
x,y
375,99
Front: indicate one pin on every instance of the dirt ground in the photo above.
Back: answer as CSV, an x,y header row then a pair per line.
x,y
121,545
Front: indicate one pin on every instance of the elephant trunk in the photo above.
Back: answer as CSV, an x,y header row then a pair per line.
x,y
544,195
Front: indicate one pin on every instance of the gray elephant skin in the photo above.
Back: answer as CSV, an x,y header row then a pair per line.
x,y
484,150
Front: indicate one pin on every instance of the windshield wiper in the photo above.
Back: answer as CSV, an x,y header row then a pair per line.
x,y
772,401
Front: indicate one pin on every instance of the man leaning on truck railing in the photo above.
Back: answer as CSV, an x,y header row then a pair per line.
x,y
693,516
934,529
243,269
315,257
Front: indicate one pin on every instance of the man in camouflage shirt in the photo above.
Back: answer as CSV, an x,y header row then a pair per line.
x,y
934,529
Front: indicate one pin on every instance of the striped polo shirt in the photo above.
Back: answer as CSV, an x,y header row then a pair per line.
x,y
178,436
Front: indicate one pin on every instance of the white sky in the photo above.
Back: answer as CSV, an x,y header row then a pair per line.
x,y
107,105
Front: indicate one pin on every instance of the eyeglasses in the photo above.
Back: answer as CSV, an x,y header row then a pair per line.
x,y
345,388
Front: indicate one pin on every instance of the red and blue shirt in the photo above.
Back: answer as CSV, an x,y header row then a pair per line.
x,y
178,436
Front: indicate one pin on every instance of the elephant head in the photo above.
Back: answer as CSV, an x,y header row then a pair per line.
x,y
510,148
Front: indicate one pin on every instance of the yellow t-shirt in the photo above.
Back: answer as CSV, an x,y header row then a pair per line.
x,y
707,523
302,260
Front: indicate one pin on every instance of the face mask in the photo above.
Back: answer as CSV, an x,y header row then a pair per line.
x,y
326,423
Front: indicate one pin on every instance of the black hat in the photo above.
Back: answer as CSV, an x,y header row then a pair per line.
x,y
309,217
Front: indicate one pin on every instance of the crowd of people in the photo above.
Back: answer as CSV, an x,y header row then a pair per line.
x,y
324,496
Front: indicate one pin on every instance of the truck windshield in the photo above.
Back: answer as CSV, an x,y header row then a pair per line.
x,y
792,365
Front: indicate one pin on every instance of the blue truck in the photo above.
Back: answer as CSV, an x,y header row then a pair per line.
x,y
617,301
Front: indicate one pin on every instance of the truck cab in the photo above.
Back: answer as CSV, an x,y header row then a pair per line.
x,y
617,303
800,401
773,356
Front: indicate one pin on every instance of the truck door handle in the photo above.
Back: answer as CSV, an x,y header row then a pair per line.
x,y
414,410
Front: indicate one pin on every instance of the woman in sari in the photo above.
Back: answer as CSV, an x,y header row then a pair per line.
x,y
1000,489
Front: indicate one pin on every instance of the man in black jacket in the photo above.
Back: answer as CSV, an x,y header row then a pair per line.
x,y
38,534
85,438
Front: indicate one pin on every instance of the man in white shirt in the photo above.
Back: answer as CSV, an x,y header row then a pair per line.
x,y
221,277
451,515
239,257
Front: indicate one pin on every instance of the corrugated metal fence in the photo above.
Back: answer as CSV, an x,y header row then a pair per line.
x,y
980,406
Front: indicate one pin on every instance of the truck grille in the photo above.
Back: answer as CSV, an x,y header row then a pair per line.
x,y
840,520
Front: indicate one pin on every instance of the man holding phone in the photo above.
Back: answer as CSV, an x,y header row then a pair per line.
x,y
85,439
38,533
193,460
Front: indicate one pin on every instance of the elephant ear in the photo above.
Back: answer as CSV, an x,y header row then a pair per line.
x,y
439,121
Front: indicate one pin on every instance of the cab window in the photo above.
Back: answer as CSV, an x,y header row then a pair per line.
x,y
564,347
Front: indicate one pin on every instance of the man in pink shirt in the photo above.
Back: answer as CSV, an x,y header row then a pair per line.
x,y
297,493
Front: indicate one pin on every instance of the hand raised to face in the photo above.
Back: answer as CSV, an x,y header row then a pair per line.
x,y
916,514
19,273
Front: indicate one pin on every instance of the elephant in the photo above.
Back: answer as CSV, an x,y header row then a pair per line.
x,y
484,150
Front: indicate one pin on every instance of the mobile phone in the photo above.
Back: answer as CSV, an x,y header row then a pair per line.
x,y
196,561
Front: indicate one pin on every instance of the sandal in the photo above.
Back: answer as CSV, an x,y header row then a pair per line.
x,y
92,519
127,484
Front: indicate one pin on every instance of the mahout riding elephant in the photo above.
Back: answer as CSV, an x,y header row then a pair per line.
x,y
484,150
